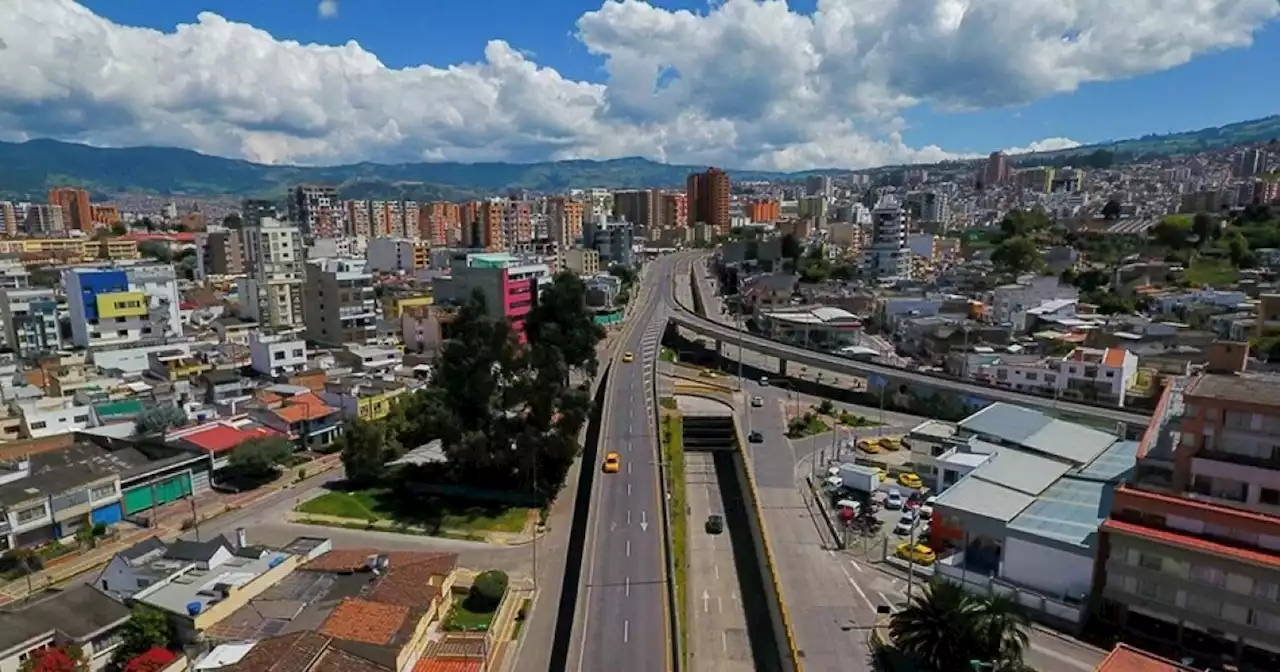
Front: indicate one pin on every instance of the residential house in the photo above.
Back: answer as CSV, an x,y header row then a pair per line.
x,y
80,616
298,413
363,397
768,291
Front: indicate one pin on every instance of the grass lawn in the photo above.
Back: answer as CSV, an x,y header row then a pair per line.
x,y
463,619
673,452
852,420
806,425
1215,272
667,355
434,514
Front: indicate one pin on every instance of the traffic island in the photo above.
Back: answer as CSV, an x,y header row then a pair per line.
x,y
673,457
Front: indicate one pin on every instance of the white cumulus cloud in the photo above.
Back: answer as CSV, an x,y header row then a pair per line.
x,y
744,83
1045,145
327,9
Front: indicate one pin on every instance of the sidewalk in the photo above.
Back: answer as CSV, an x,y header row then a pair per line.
x,y
170,519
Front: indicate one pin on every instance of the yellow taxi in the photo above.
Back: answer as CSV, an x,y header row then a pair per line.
x,y
868,446
612,463
628,357
881,474
891,444
919,553
910,480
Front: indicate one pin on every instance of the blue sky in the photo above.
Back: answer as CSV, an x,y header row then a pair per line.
x,y
1216,86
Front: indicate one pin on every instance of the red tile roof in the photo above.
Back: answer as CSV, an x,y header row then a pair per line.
x,y
448,665
364,621
304,407
1183,540
1113,357
1125,658
222,438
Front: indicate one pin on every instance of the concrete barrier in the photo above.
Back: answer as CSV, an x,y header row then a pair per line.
x,y
777,605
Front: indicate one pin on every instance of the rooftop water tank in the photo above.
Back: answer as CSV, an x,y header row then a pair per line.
x,y
193,608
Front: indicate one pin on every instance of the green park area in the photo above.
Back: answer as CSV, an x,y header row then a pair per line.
x,y
432,515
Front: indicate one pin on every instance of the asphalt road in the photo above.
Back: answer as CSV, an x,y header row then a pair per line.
x,y
622,613
687,319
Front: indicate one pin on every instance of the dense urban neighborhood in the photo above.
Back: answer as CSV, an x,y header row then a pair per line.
x,y
1017,413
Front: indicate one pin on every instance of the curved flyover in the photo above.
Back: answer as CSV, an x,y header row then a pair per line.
x,y
688,319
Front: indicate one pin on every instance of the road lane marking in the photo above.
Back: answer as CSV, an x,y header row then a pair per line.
x,y
887,602
856,565
626,631
870,604
628,587
628,548
724,641
706,601
628,489
628,517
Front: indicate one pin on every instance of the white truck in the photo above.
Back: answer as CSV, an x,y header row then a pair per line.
x,y
859,478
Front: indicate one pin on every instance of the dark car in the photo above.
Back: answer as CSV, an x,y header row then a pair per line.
x,y
715,523
755,436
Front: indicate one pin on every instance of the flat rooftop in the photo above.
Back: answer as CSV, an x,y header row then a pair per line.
x,y
200,585
1038,432
1242,388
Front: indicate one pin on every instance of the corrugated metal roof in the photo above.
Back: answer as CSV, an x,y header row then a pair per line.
x,y
1069,511
1114,463
1025,472
1039,432
979,497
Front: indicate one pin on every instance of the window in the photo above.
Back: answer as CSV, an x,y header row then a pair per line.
x,y
80,418
1269,496
1209,575
103,492
122,333
1153,590
297,353
1266,621
1149,561
27,515
1238,583
1235,613
277,355
39,424
1202,604
1265,590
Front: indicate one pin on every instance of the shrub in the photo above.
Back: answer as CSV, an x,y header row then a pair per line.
x,y
487,591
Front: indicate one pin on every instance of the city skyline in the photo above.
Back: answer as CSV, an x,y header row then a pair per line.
x,y
740,84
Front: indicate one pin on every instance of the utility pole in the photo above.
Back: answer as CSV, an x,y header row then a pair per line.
x,y
911,561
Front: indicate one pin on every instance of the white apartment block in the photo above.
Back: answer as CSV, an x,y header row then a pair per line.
x,y
123,304
392,255
29,318
887,257
1010,303
277,355
1091,374
273,256
52,415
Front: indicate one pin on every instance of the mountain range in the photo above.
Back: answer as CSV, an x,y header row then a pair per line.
x,y
28,169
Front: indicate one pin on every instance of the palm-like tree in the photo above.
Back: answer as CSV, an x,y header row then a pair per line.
x,y
946,627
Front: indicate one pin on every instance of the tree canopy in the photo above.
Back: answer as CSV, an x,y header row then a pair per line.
x,y
1016,255
507,413
258,458
945,627
147,629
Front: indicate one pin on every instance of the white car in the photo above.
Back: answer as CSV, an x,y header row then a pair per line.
x,y
764,381
894,500
757,402
926,509
905,523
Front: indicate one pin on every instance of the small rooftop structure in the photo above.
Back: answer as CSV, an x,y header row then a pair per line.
x,y
1033,430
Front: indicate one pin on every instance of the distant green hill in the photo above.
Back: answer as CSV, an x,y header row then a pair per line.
x,y
28,169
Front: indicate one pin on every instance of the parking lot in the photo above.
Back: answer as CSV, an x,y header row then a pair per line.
x,y
895,499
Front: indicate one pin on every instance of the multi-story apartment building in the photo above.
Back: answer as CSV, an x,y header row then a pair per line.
x,y
1190,556
104,215
887,257
272,294
510,287
277,354
708,203
439,222
10,223
359,222
675,211
43,219
1092,374
642,207
220,251
613,240
317,210
764,210
76,211
1010,304
252,210
119,305
411,220
397,255
30,321
997,170
339,305
818,185
564,221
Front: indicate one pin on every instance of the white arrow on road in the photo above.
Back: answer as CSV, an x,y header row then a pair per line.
x,y
644,524
705,600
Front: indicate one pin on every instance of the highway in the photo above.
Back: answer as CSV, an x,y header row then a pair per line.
x,y
685,317
621,621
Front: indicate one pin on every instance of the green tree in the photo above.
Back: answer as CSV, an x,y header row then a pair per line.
x,y
1023,223
160,418
791,248
625,274
1205,227
147,628
156,250
1016,255
366,447
1111,210
945,624
487,590
1171,232
258,458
